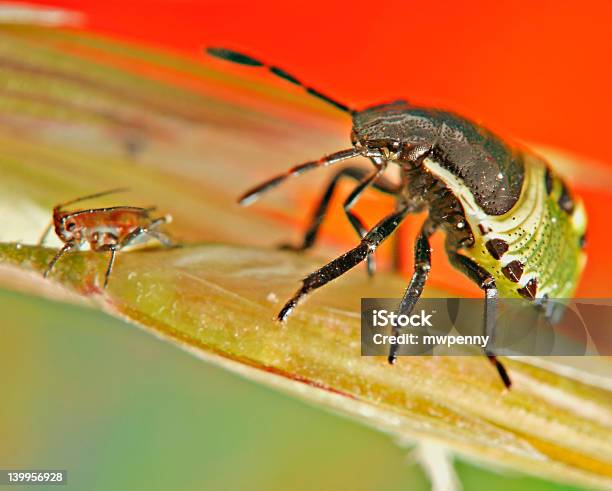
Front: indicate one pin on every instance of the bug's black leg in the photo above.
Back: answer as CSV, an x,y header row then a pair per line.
x,y
355,220
422,265
318,216
350,153
486,282
68,246
254,194
356,173
374,180
348,260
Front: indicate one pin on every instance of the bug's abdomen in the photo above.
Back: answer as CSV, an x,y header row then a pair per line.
x,y
536,248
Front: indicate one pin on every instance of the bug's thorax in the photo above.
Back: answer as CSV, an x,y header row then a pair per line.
x,y
490,169
420,188
445,210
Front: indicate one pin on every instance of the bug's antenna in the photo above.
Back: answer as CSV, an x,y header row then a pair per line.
x,y
90,196
242,59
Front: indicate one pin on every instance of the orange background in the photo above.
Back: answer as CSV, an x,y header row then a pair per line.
x,y
536,71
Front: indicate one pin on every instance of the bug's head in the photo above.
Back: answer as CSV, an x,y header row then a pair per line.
x,y
395,130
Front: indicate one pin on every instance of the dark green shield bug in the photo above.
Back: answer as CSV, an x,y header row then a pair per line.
x,y
511,224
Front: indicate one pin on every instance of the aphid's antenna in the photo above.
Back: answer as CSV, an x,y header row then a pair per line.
x,y
90,196
254,194
242,59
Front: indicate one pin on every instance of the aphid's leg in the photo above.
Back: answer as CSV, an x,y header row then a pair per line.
x,y
112,247
68,246
111,262
131,237
422,265
150,231
350,259
164,239
486,282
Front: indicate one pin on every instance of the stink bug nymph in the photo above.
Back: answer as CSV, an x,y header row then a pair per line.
x,y
510,222
103,229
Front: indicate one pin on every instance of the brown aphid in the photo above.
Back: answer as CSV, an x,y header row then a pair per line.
x,y
103,229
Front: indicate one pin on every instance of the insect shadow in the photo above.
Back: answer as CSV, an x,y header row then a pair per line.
x,y
103,229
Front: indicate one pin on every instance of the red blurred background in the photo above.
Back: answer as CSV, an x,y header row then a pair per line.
x,y
536,71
